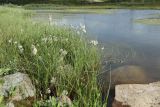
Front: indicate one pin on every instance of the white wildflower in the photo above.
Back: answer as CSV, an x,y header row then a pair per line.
x,y
34,50
20,47
84,30
55,39
78,32
22,30
82,26
15,42
44,40
60,68
50,40
10,40
53,80
50,19
102,48
65,92
94,42
66,39
48,91
72,26
63,52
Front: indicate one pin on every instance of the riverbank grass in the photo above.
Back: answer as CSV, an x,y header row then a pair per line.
x,y
57,59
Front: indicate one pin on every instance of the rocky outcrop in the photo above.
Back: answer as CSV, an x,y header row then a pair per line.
x,y
17,88
137,95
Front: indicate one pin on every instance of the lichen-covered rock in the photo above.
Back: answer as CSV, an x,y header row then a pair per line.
x,y
137,95
17,87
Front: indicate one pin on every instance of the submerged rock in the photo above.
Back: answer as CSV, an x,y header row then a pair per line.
x,y
17,87
137,95
127,74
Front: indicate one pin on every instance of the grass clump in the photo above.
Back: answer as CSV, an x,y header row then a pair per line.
x,y
55,58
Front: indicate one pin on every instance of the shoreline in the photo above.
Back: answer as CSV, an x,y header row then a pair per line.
x,y
105,6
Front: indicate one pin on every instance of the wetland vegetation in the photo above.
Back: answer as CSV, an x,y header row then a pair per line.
x,y
56,56
63,46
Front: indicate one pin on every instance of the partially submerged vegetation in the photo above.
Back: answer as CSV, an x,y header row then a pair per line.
x,y
56,59
75,11
150,21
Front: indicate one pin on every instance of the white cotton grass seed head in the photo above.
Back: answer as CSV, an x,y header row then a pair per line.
x,y
50,40
84,30
20,47
22,30
78,32
64,92
44,40
55,39
102,48
82,26
63,52
66,39
34,50
94,42
15,42
10,41
48,91
53,80
50,19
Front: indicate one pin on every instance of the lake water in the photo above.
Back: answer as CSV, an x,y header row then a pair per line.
x,y
124,41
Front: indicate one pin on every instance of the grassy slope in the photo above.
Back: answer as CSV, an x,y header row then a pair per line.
x,y
75,71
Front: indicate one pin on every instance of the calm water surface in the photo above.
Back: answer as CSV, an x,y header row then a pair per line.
x,y
127,42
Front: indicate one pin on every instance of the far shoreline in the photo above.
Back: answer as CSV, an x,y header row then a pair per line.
x,y
93,6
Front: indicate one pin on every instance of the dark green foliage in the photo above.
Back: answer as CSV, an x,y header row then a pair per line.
x,y
76,1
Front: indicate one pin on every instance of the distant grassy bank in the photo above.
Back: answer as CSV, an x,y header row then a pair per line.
x,y
93,6
57,57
